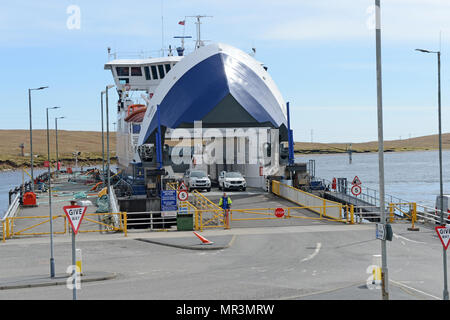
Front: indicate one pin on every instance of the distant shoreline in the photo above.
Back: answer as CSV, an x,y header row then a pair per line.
x,y
14,164
318,151
89,144
10,165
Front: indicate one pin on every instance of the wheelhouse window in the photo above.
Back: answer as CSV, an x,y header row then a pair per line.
x,y
136,71
167,67
123,71
154,73
147,73
161,70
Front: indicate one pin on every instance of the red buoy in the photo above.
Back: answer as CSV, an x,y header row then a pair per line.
x,y
29,199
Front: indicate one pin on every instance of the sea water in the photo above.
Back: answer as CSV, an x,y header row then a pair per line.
x,y
410,176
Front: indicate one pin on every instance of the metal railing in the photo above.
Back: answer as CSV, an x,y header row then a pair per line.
x,y
151,220
11,212
317,204
427,214
104,221
368,196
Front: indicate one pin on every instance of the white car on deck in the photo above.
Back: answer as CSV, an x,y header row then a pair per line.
x,y
232,181
197,179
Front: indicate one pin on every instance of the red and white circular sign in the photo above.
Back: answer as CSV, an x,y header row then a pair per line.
x,y
183,195
356,190
279,212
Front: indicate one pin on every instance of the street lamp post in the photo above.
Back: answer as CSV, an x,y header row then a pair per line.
x,y
441,190
107,147
384,266
31,135
56,136
103,139
52,260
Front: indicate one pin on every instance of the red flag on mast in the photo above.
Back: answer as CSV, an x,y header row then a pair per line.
x,y
181,22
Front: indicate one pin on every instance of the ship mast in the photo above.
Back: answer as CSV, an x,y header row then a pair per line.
x,y
199,43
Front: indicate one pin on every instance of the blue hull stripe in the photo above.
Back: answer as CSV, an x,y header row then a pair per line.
x,y
202,87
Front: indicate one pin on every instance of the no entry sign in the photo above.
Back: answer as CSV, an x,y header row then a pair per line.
x,y
279,212
75,214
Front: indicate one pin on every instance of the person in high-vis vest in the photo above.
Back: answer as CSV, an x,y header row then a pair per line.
x,y
225,204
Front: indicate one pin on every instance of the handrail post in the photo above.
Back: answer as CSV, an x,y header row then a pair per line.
x,y
324,207
11,225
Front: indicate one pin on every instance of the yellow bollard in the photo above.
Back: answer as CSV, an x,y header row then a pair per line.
x,y
78,260
125,223
352,214
391,212
413,217
376,271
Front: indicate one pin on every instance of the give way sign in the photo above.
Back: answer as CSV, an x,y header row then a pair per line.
x,y
75,214
444,234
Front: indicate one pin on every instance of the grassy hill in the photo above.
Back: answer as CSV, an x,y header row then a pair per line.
x,y
89,144
414,144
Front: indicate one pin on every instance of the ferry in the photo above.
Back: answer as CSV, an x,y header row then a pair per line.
x,y
222,86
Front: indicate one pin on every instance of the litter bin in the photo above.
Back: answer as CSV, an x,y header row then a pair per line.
x,y
185,222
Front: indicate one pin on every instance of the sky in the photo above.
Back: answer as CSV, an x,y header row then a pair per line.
x,y
320,53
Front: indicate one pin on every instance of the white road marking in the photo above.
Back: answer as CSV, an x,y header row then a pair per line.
x,y
414,289
401,237
315,253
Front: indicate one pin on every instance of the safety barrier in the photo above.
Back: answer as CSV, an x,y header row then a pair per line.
x,y
404,211
103,220
206,213
209,215
261,214
397,211
317,204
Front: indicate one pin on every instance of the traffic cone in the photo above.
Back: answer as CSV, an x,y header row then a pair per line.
x,y
203,239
